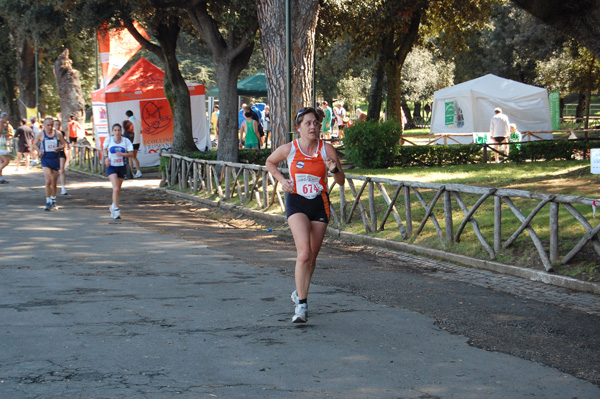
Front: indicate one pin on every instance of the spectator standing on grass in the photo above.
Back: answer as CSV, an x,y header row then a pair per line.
x,y
62,158
515,137
214,122
25,136
499,131
137,141
340,115
267,124
35,127
6,133
74,131
360,116
256,117
326,124
249,132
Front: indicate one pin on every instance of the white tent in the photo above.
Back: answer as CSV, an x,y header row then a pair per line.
x,y
468,107
140,90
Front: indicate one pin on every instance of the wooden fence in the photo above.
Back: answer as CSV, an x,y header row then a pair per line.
x,y
88,158
415,209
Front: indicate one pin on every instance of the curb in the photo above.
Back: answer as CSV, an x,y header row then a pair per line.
x,y
516,271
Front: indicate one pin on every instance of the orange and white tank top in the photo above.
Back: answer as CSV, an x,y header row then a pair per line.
x,y
308,171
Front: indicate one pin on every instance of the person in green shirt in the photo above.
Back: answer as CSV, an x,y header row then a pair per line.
x,y
326,125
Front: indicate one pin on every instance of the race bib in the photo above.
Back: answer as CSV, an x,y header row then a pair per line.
x,y
50,145
308,186
3,146
116,160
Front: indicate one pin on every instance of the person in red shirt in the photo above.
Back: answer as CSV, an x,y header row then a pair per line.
x,y
309,160
74,128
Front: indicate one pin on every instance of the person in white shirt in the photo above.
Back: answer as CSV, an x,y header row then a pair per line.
x,y
499,131
340,114
115,149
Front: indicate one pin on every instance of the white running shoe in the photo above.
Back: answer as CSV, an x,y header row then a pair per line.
x,y
112,212
301,313
63,191
295,297
138,174
116,213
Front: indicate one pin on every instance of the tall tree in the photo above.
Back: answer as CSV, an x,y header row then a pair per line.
x,y
8,85
424,73
163,20
229,30
578,19
46,22
272,20
388,29
69,88
165,27
509,46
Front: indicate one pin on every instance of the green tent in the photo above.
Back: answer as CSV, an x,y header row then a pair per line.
x,y
252,86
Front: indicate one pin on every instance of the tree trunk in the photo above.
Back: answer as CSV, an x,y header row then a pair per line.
x,y
403,45
410,121
69,88
581,105
176,90
272,21
230,57
394,99
8,85
376,91
26,75
228,117
417,112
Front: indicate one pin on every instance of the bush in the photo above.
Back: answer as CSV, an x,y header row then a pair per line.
x,y
438,155
372,144
551,150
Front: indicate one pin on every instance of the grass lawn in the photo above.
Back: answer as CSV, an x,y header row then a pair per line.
x,y
557,177
572,178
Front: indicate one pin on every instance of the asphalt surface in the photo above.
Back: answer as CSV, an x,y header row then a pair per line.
x,y
179,300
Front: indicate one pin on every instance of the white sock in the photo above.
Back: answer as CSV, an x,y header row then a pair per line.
x,y
48,199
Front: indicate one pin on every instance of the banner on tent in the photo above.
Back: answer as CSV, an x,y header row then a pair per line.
x,y
449,120
157,125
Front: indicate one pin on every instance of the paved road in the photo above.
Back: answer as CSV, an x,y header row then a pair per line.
x,y
167,303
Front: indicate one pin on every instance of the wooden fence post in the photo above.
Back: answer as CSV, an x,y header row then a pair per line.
x,y
448,217
497,223
407,211
372,212
553,231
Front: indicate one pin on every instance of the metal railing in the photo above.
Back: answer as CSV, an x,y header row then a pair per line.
x,y
415,209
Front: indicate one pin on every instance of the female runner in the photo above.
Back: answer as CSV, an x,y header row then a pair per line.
x,y
307,201
115,149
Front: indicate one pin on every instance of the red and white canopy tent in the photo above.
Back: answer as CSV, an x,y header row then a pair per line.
x,y
140,90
